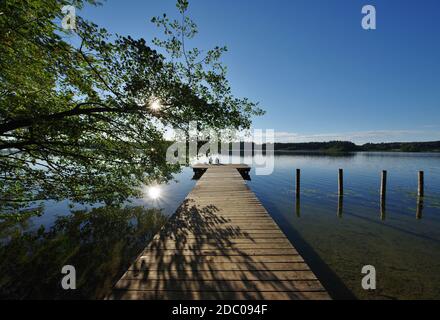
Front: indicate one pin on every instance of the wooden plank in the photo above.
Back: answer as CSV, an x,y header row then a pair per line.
x,y
207,246
265,225
213,166
215,285
220,252
219,266
220,244
190,260
223,275
226,231
207,237
218,295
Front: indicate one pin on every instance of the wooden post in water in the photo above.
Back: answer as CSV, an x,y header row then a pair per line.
x,y
383,185
383,192
341,182
298,193
421,189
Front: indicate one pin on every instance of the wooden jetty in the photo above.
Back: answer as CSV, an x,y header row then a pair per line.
x,y
220,244
200,169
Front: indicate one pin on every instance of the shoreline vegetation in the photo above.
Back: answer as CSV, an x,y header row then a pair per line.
x,y
333,147
347,146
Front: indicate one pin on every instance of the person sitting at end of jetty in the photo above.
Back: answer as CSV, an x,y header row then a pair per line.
x,y
210,160
217,161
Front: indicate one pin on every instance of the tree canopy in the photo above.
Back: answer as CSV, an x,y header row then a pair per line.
x,y
83,112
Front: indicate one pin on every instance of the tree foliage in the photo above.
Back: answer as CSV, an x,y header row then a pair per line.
x,y
79,115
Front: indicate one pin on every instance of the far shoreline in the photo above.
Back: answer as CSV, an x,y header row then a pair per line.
x,y
348,146
328,152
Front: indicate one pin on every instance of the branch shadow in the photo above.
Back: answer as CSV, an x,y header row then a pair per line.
x,y
199,254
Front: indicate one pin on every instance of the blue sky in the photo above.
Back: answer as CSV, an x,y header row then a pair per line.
x,y
312,67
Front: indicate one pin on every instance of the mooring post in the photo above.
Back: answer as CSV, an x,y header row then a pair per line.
x,y
383,192
341,182
383,185
421,190
298,193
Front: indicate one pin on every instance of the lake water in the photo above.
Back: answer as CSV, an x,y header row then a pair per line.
x,y
336,239
404,250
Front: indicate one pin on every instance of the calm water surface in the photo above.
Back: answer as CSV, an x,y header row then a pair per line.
x,y
404,250
336,239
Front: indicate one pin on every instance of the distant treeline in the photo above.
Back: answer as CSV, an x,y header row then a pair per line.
x,y
347,146
331,146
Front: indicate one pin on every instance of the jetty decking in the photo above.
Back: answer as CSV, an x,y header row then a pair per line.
x,y
202,166
220,244
200,169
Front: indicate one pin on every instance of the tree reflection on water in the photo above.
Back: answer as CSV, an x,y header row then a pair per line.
x,y
100,243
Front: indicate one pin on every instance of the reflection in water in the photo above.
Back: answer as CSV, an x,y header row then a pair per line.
x,y
404,252
419,210
154,192
298,206
340,206
383,212
100,244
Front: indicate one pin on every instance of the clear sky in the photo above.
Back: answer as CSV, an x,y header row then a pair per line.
x,y
315,71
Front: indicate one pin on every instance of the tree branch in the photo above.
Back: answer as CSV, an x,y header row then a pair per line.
x,y
76,111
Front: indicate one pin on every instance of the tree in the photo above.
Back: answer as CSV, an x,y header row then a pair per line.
x,y
86,122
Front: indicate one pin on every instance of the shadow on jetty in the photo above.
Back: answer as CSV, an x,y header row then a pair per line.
x,y
191,258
